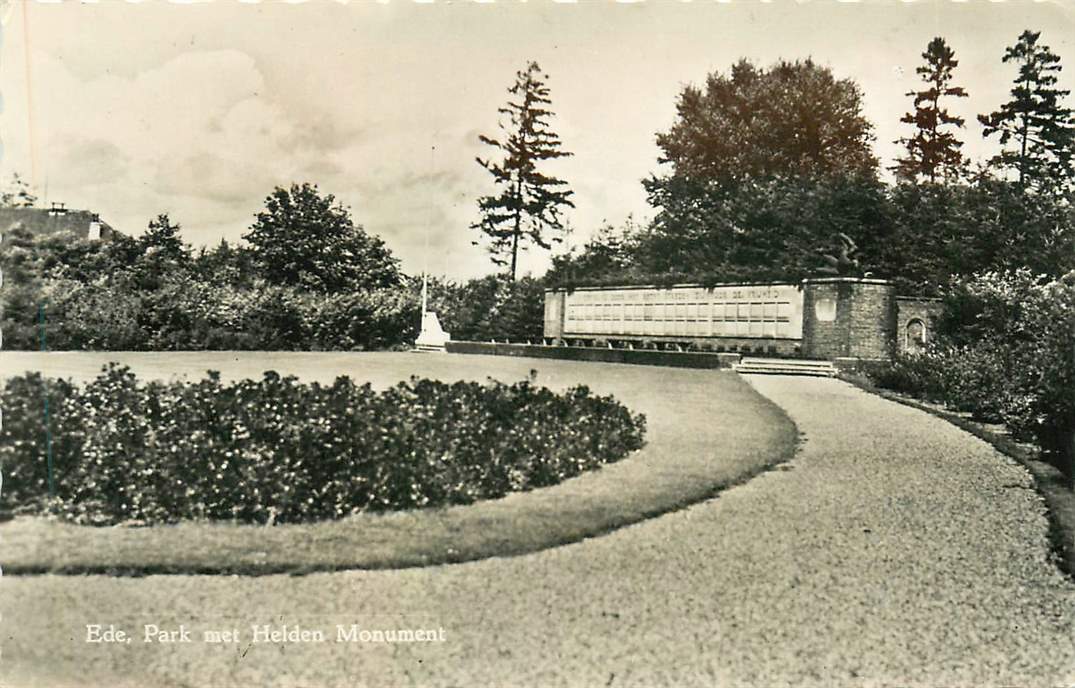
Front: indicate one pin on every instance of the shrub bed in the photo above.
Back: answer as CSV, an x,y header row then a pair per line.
x,y
1005,355
276,450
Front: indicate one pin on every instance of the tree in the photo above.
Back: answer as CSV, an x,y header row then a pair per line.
x,y
225,264
772,229
491,308
1040,128
528,206
161,240
307,240
794,119
767,167
933,150
940,231
17,193
609,255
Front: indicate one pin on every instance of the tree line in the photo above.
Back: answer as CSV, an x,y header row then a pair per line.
x,y
767,174
306,277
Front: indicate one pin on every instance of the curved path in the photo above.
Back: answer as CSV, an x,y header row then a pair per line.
x,y
894,549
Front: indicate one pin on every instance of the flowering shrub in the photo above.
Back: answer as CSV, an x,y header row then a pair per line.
x,y
1006,353
365,320
277,450
24,456
965,378
492,308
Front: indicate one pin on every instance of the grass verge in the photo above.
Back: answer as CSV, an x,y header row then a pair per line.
x,y
707,430
1049,481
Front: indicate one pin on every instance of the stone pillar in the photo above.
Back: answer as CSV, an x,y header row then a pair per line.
x,y
555,303
849,317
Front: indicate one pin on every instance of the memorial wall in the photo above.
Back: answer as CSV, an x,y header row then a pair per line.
x,y
824,318
768,311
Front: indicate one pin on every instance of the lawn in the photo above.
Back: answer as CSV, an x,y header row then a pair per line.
x,y
706,430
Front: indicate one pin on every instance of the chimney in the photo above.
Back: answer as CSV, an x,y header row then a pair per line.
x,y
94,233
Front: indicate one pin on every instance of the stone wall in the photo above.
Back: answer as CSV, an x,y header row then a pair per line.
x,y
915,322
846,317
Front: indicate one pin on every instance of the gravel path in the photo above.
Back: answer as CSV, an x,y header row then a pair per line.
x,y
894,549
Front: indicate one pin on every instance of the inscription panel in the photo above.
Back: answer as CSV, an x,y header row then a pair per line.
x,y
758,311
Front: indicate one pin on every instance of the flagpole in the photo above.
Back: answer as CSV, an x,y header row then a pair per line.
x,y
425,256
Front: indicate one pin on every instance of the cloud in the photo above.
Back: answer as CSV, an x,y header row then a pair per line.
x,y
321,169
87,162
146,108
201,135
152,113
320,135
212,177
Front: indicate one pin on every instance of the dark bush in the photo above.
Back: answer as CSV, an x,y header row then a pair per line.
x,y
491,307
25,450
971,379
365,321
277,450
122,295
916,375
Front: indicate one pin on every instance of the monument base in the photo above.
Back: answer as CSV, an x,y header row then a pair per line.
x,y
432,336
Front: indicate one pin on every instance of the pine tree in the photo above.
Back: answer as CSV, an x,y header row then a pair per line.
x,y
1034,120
933,149
529,203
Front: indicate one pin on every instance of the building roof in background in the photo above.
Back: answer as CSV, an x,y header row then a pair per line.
x,y
45,221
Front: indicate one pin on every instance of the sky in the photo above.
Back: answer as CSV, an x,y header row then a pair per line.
x,y
200,110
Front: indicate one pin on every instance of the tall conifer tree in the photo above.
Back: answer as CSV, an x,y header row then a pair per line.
x,y
1038,132
933,151
528,206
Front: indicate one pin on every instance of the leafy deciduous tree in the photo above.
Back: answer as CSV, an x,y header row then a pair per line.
x,y
758,157
162,240
612,253
793,119
225,264
305,239
943,231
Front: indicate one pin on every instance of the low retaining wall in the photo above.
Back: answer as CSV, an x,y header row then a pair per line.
x,y
675,359
743,346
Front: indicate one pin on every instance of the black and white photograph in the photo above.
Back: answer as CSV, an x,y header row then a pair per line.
x,y
537,344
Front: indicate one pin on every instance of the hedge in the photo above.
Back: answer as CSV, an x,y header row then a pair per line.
x,y
276,450
188,315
